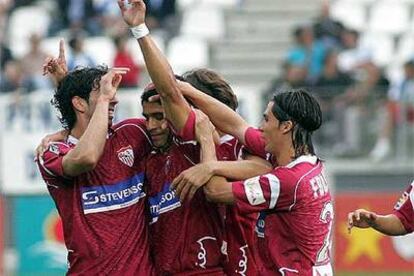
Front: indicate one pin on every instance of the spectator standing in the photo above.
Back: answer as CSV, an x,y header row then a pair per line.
x,y
123,58
78,56
33,62
400,111
327,29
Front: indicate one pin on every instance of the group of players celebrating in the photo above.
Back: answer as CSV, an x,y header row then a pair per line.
x,y
191,188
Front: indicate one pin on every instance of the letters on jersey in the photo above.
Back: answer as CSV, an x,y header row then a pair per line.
x,y
103,198
164,201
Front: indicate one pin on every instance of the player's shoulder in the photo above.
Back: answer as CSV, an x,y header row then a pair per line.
x,y
130,123
134,126
407,196
301,165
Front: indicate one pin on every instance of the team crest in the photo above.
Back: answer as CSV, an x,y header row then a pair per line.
x,y
126,156
401,201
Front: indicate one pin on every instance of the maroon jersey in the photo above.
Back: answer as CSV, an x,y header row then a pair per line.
x,y
185,238
103,211
296,214
404,209
239,227
240,235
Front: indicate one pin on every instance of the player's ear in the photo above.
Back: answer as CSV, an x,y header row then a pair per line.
x,y
79,104
287,126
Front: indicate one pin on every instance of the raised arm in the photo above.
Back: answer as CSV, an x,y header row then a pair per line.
x,y
388,224
175,106
222,116
87,152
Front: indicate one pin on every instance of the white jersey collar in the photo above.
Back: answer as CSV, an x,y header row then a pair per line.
x,y
225,138
312,159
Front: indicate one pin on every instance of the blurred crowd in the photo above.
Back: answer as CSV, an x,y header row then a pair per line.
x,y
331,61
76,20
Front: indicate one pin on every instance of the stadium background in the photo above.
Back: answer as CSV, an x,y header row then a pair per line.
x,y
370,161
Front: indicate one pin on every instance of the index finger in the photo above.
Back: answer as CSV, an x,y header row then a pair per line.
x,y
62,49
115,71
126,69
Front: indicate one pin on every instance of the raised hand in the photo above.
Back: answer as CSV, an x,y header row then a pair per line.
x,y
110,81
134,13
56,67
361,218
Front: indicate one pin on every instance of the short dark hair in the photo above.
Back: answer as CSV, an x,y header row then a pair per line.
x,y
300,107
80,82
213,85
150,91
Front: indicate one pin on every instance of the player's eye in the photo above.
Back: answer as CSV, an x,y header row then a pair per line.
x,y
158,116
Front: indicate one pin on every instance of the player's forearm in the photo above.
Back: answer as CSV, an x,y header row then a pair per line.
x,y
389,225
219,190
85,156
223,117
239,170
208,148
175,107
158,68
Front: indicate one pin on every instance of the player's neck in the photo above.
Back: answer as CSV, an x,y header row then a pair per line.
x,y
285,156
78,130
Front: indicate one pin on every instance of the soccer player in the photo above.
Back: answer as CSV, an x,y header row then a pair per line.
x,y
294,199
95,176
238,229
196,248
400,222
185,237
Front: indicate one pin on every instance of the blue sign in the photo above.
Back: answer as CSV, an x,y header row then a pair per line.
x,y
38,236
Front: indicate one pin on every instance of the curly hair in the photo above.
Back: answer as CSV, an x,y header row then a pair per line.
x,y
80,82
300,107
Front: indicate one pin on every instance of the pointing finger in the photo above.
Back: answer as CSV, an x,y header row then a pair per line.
x,y
62,49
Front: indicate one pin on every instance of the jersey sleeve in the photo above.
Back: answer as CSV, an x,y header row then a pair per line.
x,y
404,209
51,163
254,143
187,133
272,191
